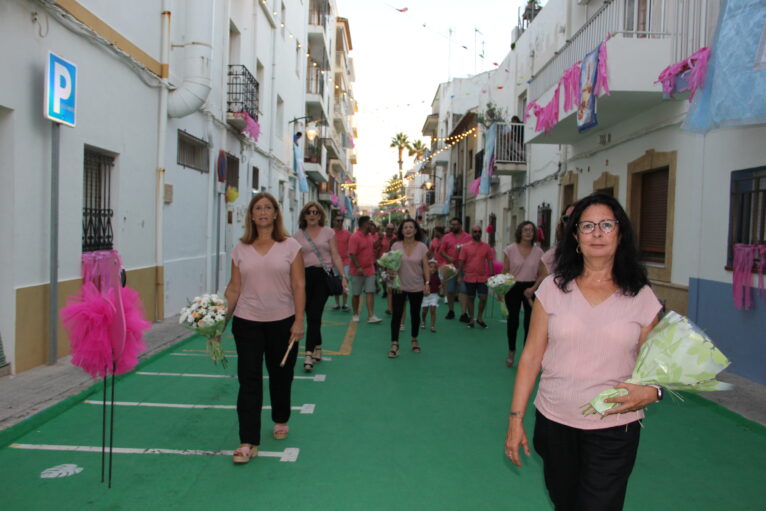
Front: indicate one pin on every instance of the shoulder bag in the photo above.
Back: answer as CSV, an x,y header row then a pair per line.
x,y
334,282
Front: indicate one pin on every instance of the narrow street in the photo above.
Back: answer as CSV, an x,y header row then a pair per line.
x,y
423,431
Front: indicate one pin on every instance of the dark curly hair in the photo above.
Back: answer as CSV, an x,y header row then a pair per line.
x,y
627,272
419,234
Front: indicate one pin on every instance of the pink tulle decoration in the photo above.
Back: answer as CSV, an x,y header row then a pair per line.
x,y
744,257
342,208
135,326
252,128
571,82
696,65
475,184
497,266
602,80
549,115
531,106
334,199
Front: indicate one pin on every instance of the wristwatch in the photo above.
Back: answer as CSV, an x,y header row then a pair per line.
x,y
659,392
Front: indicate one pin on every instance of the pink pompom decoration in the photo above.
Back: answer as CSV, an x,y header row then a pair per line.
x,y
87,318
135,326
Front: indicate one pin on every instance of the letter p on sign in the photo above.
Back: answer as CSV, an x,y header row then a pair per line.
x,y
60,90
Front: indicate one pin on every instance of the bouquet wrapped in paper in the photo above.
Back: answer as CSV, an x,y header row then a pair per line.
x,y
206,315
447,272
393,261
500,284
676,355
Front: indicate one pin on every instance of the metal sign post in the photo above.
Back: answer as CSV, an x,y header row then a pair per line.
x,y
60,107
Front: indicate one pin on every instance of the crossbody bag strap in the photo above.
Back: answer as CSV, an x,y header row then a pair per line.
x,y
316,250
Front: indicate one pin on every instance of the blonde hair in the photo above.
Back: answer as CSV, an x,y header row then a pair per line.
x,y
278,233
302,218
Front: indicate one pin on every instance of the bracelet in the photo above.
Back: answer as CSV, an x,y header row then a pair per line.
x,y
517,414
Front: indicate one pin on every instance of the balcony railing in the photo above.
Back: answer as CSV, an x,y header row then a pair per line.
x,y
631,18
314,81
319,11
243,91
509,145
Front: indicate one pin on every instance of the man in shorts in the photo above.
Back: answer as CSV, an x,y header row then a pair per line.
x,y
362,256
449,248
474,259
342,237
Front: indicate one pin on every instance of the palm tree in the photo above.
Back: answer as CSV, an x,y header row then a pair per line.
x,y
417,149
401,142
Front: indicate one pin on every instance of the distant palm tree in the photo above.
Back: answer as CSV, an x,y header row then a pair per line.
x,y
417,149
401,142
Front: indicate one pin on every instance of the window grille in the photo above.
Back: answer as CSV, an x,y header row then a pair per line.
x,y
193,152
97,214
232,171
747,209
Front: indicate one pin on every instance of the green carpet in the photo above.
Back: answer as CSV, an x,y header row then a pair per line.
x,y
423,431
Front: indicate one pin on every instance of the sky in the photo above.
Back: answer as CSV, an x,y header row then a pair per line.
x,y
400,58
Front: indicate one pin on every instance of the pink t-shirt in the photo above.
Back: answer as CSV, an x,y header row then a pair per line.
x,y
549,259
342,236
436,251
475,257
590,349
322,242
266,292
411,271
361,246
450,243
524,269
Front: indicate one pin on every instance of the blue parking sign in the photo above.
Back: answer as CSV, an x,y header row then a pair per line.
x,y
60,90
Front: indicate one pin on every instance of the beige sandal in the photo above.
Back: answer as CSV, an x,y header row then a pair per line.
x,y
244,454
280,431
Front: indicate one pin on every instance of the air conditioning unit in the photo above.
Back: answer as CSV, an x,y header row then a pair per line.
x,y
583,2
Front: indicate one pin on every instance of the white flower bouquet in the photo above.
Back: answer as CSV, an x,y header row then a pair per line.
x,y
393,261
447,272
206,316
500,284
676,355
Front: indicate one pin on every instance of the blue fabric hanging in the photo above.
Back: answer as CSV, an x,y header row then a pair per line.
x,y
303,185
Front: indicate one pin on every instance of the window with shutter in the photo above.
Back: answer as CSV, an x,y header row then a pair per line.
x,y
653,216
747,209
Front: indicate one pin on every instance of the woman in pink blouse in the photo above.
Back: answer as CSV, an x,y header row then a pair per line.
x,y
414,275
524,261
588,324
266,296
320,254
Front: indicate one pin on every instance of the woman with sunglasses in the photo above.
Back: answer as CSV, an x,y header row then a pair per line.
x,y
549,257
588,324
320,254
523,260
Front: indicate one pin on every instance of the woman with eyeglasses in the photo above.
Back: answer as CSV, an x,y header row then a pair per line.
x,y
588,324
266,297
320,255
549,257
523,260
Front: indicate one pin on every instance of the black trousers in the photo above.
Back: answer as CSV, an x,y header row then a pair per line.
x,y
316,298
398,299
514,300
586,470
255,341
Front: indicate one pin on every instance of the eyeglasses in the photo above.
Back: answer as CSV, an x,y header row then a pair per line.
x,y
606,226
312,212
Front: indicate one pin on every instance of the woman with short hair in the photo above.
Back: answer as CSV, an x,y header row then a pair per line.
x,y
320,255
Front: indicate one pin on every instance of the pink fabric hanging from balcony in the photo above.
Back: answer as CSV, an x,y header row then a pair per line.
x,y
696,65
334,199
602,81
571,83
252,128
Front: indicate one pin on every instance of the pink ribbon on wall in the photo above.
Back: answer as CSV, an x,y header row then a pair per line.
x,y
744,261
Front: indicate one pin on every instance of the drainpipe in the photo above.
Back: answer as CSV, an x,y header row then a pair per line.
x,y
198,50
274,105
162,123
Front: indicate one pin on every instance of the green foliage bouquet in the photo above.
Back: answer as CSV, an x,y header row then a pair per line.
x,y
393,261
676,355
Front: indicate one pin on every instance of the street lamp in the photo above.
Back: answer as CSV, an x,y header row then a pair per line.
x,y
311,127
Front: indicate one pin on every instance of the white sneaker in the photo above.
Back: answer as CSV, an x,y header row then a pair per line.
x,y
374,319
355,318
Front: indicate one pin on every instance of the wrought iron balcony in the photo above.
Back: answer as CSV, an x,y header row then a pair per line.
x,y
243,92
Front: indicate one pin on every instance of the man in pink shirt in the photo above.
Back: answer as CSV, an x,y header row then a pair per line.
x,y
449,249
362,270
342,237
474,258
